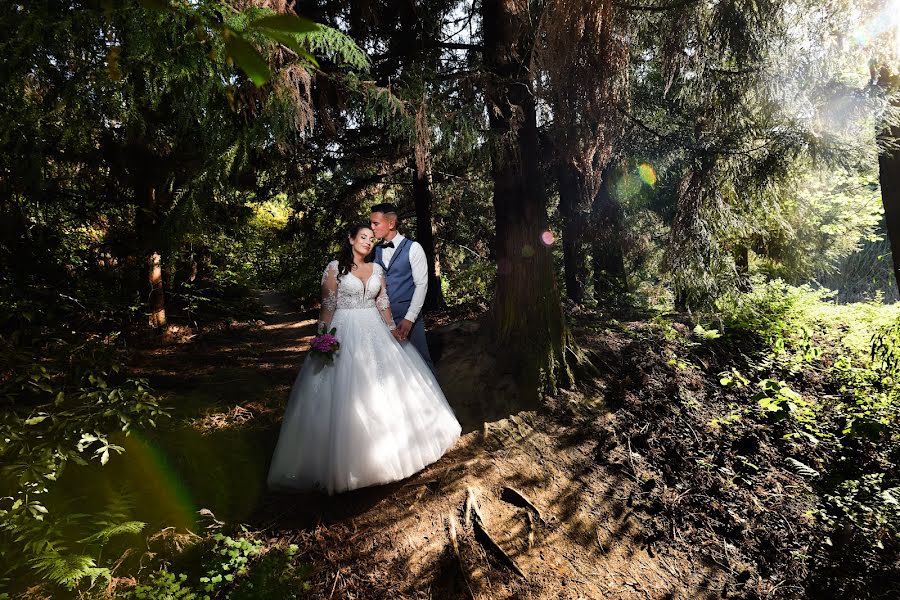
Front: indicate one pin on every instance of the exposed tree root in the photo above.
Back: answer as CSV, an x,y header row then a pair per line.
x,y
517,498
484,537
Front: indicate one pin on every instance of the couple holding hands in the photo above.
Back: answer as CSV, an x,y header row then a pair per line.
x,y
375,412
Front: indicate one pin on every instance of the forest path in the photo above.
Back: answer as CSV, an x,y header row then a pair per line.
x,y
528,504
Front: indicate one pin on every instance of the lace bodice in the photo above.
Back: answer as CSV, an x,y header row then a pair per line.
x,y
351,292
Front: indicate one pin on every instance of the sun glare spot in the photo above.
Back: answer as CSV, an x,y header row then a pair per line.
x,y
647,174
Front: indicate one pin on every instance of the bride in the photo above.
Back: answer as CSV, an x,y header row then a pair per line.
x,y
376,413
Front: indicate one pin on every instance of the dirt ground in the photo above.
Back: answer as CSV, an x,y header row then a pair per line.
x,y
539,503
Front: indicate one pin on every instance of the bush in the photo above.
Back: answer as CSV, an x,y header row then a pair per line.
x,y
64,395
834,392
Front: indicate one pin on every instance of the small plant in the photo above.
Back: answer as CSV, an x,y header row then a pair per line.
x,y
234,556
164,585
235,567
706,334
871,506
733,378
734,416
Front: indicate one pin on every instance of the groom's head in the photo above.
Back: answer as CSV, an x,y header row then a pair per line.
x,y
384,220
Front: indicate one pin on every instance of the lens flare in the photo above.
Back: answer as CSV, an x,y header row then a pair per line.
x,y
159,483
876,29
548,238
647,174
527,251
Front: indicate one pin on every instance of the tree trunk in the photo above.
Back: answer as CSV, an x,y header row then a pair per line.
x,y
157,293
570,192
526,313
423,199
889,175
690,243
148,230
607,257
742,264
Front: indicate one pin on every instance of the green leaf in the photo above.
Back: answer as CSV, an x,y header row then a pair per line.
x,y
247,58
288,23
35,420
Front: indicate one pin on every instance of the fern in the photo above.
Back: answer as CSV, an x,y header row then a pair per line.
x,y
336,46
115,529
803,469
67,569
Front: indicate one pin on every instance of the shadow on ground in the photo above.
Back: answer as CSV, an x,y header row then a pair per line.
x,y
229,390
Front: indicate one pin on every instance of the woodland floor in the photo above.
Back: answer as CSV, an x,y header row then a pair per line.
x,y
590,531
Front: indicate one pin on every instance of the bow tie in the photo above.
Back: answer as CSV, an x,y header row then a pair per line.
x,y
387,244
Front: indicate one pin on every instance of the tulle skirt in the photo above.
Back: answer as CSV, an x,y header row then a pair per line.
x,y
375,415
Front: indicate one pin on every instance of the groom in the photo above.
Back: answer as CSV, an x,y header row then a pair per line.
x,y
406,272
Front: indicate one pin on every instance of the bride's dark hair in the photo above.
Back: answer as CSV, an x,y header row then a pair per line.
x,y
345,256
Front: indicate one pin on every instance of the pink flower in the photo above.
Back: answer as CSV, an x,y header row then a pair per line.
x,y
326,345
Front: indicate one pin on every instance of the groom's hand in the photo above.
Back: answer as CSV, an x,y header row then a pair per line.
x,y
403,329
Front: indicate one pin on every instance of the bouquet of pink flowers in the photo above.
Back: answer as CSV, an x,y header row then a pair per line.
x,y
325,344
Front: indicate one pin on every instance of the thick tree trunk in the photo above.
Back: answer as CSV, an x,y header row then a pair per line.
x,y
570,193
423,199
529,325
607,257
889,177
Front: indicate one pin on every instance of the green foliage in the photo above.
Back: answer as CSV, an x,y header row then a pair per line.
x,y
300,35
234,556
163,585
233,567
274,577
67,394
822,219
773,310
849,423
471,284
67,569
869,505
706,334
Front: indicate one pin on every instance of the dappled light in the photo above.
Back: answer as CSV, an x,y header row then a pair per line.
x,y
450,300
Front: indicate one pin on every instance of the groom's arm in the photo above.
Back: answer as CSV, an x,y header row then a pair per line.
x,y
419,266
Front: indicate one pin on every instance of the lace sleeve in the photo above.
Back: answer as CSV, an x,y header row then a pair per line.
x,y
329,294
383,303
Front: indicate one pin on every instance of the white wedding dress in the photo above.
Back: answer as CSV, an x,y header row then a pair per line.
x,y
375,415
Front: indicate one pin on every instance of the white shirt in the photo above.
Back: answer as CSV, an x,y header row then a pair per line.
x,y
419,265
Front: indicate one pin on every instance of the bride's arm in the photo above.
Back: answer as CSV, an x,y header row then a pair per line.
x,y
329,295
384,305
